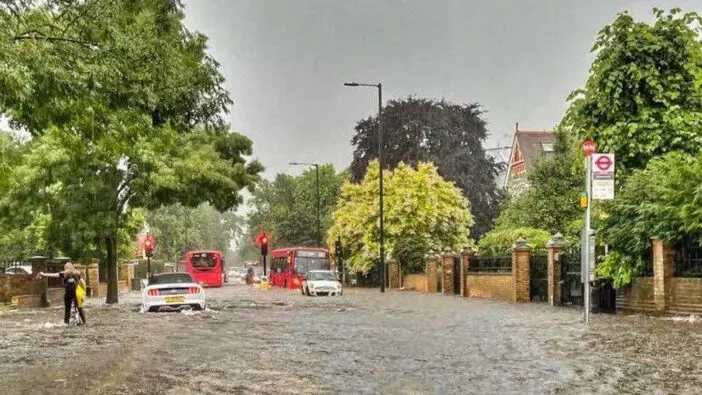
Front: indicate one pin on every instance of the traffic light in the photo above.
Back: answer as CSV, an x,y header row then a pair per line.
x,y
264,246
149,245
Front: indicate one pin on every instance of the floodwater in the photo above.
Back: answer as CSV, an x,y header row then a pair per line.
x,y
280,342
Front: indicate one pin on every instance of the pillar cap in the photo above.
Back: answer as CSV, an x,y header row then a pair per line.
x,y
557,241
521,245
448,252
467,250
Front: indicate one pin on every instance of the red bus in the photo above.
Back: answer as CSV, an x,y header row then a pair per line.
x,y
206,267
289,266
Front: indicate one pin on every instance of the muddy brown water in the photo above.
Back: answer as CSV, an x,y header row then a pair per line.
x,y
279,342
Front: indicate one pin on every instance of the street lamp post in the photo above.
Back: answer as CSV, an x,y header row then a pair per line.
x,y
380,165
319,210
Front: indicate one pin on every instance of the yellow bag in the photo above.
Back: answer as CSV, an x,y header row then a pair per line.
x,y
80,296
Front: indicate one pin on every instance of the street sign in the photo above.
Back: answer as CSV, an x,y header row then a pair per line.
x,y
602,176
588,147
589,259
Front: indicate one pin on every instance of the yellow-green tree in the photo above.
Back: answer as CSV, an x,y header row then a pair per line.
x,y
422,211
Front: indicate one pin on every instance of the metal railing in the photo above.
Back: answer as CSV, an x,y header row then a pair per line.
x,y
688,258
490,264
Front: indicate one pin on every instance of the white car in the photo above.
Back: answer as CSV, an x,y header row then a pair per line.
x,y
24,269
321,282
172,292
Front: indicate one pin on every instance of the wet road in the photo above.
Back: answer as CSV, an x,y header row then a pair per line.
x,y
280,342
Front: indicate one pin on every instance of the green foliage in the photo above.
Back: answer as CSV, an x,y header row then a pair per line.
x,y
661,201
287,209
422,211
643,97
619,267
449,135
499,242
179,228
124,106
551,202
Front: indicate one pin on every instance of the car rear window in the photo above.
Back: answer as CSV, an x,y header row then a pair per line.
x,y
171,278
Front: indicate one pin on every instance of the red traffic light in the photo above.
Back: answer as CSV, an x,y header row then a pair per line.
x,y
261,239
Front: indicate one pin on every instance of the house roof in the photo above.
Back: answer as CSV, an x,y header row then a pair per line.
x,y
531,145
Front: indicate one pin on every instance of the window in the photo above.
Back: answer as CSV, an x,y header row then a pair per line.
x,y
547,147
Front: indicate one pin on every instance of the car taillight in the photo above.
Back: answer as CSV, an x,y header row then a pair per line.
x,y
153,292
193,290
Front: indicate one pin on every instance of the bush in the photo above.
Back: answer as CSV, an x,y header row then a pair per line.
x,y
500,241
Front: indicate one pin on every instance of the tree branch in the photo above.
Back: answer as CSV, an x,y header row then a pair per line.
x,y
33,35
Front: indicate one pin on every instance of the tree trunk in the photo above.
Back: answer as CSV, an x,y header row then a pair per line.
x,y
112,294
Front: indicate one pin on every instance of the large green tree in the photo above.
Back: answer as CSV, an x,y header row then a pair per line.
x,y
643,97
449,135
422,211
124,107
286,208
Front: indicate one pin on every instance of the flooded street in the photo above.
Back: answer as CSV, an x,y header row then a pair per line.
x,y
278,342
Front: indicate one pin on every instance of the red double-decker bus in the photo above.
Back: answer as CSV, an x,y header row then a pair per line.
x,y
206,267
289,266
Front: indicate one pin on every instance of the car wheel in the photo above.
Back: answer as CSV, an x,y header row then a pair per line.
x,y
302,290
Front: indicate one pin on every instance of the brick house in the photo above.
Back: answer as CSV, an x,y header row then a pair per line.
x,y
527,146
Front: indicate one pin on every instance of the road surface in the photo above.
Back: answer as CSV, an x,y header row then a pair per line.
x,y
279,342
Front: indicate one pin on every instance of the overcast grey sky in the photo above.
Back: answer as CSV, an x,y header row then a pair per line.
x,y
286,61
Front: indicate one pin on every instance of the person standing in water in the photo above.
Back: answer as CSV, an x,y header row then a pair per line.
x,y
71,281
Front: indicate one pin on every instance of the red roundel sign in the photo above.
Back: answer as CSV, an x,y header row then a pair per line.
x,y
603,163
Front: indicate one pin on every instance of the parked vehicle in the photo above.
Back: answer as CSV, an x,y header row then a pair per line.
x,y
172,292
322,282
14,270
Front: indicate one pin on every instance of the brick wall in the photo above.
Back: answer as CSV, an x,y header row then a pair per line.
x,y
685,296
417,282
497,286
638,297
17,285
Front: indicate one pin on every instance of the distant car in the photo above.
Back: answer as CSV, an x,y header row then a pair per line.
x,y
321,282
172,292
13,270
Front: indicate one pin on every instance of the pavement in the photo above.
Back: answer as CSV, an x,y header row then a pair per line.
x,y
279,342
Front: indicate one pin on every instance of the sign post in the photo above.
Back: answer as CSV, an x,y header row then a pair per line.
x,y
588,150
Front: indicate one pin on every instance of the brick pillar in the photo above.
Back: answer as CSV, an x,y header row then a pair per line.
x,y
555,251
432,266
663,261
466,255
447,271
40,286
521,255
93,279
393,275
